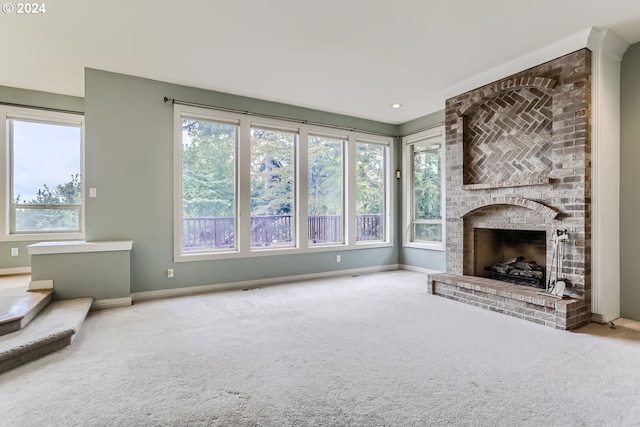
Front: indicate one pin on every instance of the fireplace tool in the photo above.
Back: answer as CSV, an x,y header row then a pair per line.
x,y
556,287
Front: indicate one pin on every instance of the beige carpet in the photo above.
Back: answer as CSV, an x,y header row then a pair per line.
x,y
374,350
53,328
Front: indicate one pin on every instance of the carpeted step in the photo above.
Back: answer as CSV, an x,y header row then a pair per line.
x,y
53,329
19,307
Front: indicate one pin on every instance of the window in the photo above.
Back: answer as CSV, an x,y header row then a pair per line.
x,y
272,188
424,189
326,190
370,191
44,179
208,185
248,189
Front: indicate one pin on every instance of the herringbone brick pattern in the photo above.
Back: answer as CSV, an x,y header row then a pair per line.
x,y
508,138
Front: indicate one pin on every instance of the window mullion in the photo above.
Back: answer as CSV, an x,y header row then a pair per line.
x,y
350,196
302,180
5,196
34,206
244,188
387,211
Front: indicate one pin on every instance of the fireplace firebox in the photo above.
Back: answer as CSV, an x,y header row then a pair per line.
x,y
515,256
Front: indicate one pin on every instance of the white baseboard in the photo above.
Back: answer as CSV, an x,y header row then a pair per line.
x,y
418,269
168,293
111,303
17,270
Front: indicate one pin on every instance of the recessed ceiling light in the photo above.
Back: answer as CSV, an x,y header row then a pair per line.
x,y
396,106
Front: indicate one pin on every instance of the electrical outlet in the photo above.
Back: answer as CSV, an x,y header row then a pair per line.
x,y
338,259
14,252
170,272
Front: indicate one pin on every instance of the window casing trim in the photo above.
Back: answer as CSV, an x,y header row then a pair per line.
x,y
305,190
295,228
45,117
430,136
243,248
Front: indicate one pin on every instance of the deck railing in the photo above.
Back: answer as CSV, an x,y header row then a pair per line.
x,y
274,230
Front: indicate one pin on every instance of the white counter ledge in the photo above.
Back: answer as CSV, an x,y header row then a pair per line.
x,y
78,246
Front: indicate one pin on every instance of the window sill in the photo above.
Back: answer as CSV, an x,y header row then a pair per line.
x,y
428,246
213,256
41,237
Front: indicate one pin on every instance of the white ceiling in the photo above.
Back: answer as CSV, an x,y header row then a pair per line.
x,y
353,57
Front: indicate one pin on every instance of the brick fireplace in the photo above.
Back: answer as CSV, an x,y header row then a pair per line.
x,y
518,158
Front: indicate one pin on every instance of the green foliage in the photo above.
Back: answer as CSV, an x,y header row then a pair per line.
x,y
69,193
426,184
370,178
208,169
427,192
428,232
272,172
325,176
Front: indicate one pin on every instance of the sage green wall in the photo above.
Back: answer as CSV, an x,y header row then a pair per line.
x,y
128,157
101,275
629,183
421,123
423,258
35,99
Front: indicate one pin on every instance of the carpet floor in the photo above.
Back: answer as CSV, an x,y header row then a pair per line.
x,y
373,350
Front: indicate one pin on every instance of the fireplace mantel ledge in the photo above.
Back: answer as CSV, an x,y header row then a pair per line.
x,y
489,185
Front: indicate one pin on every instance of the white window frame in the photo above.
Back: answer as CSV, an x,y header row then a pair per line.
x,y
437,135
233,120
243,242
344,138
42,116
296,228
386,211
